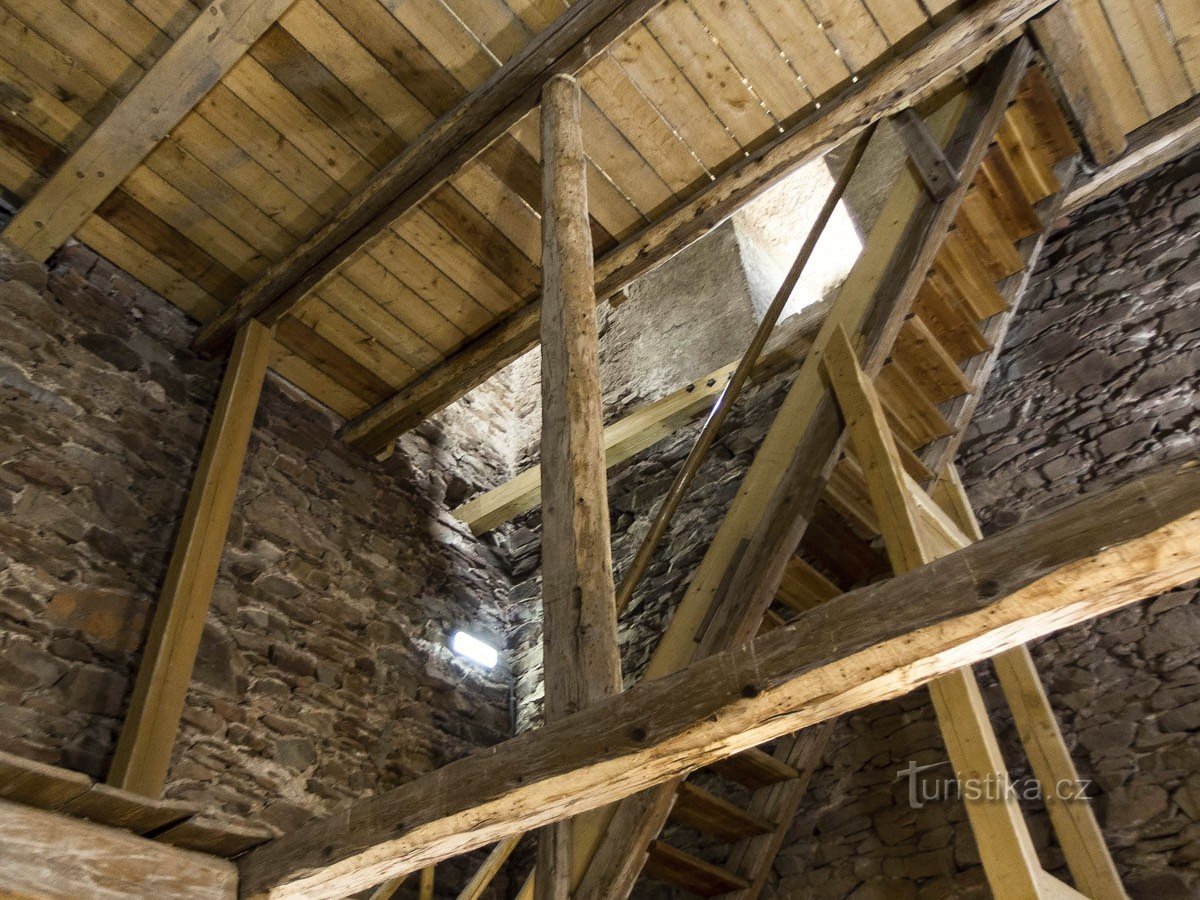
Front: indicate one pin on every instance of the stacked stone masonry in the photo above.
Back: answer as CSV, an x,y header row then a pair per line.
x,y
324,673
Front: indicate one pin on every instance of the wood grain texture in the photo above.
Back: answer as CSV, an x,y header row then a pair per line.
x,y
46,855
217,38
582,663
1060,35
148,734
581,659
1156,143
457,137
897,84
1094,556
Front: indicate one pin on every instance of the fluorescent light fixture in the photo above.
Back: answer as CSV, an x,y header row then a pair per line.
x,y
474,649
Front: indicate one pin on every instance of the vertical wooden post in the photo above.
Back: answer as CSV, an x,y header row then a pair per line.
x,y
581,660
148,735
1074,821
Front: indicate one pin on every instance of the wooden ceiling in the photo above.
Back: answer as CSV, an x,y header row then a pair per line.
x,y
337,88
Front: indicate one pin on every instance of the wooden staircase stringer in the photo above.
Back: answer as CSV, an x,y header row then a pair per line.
x,y
793,465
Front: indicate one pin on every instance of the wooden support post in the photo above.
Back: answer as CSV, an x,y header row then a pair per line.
x,y
582,663
215,40
1060,36
1005,846
1074,822
1095,556
144,750
744,564
980,29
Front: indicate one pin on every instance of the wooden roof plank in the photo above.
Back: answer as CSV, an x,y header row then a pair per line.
x,y
889,88
1149,53
670,59
585,30
165,94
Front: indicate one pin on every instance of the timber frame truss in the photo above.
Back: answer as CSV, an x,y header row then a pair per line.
x,y
854,480
971,228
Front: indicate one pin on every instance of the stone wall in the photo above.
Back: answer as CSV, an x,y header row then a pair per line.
x,y
1099,380
324,672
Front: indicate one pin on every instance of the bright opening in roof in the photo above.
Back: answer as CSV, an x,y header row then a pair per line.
x,y
771,228
474,649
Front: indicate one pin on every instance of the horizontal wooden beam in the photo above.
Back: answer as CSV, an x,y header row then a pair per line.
x,y
45,854
982,28
576,37
1155,144
1087,559
216,39
645,426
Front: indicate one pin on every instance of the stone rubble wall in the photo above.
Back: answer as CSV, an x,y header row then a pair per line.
x,y
1098,381
324,673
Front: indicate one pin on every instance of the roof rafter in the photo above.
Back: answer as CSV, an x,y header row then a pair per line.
x,y
576,37
215,40
981,29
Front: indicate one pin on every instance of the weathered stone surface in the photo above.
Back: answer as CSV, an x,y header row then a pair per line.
x,y
1098,380
323,673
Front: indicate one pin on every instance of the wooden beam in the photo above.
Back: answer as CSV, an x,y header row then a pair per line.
x,y
1006,848
489,868
1075,826
581,660
1060,37
143,751
216,39
580,34
1156,143
925,154
49,855
982,28
647,425
1092,557
743,566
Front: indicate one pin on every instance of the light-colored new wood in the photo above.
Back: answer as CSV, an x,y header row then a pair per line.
x,y
623,439
144,749
489,868
1006,848
1095,556
217,38
49,855
1074,821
